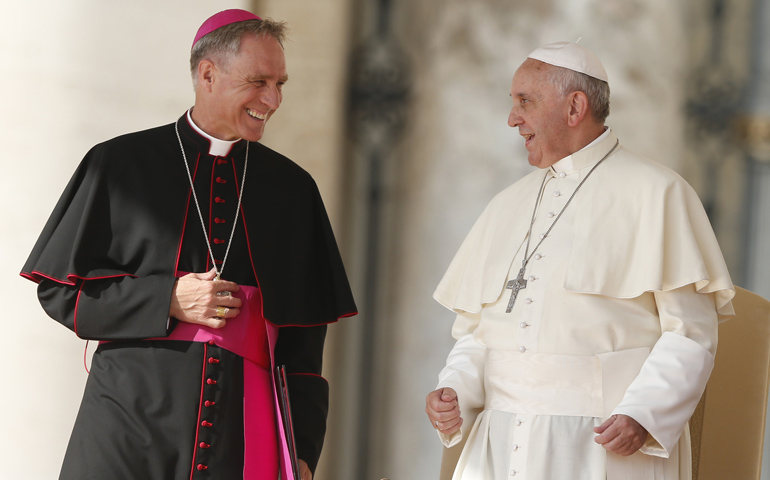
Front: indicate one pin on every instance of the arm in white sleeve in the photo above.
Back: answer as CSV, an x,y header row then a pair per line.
x,y
671,381
464,372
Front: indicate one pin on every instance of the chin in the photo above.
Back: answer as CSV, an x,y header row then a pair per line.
x,y
253,136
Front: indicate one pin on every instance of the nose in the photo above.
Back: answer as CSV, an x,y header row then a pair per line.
x,y
514,119
272,97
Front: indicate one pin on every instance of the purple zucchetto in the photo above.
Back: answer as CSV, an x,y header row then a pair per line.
x,y
221,19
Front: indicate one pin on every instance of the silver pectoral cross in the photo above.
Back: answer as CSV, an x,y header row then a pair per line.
x,y
515,285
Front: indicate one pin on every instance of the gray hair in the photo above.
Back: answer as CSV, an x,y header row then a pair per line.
x,y
224,43
567,81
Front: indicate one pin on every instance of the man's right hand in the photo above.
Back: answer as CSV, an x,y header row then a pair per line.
x,y
195,300
443,410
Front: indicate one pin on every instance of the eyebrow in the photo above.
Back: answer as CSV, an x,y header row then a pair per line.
x,y
256,78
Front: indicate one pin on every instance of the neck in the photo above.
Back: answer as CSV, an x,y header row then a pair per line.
x,y
217,147
203,121
586,136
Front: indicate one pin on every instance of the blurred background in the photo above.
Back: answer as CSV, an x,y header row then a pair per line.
x,y
398,108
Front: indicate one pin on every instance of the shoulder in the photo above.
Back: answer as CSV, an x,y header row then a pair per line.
x,y
645,174
140,140
277,167
136,150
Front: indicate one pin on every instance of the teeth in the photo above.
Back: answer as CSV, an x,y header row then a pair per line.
x,y
256,115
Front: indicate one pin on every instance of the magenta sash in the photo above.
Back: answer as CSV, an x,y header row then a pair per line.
x,y
252,337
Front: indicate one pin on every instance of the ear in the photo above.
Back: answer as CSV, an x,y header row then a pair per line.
x,y
578,108
206,75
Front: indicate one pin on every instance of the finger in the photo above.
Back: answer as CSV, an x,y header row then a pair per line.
x,y
225,286
444,407
448,394
211,274
607,436
214,322
447,424
622,446
220,311
229,302
449,429
208,276
601,428
447,416
434,402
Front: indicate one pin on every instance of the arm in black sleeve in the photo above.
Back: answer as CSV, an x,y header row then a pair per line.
x,y
300,349
118,308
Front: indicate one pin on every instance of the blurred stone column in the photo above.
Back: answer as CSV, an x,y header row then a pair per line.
x,y
310,128
754,128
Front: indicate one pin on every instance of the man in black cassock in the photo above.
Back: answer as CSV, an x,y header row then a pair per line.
x,y
114,264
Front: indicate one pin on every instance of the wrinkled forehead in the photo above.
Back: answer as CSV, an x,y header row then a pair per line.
x,y
530,74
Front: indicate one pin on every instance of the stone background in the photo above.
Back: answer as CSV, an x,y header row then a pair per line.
x,y
82,71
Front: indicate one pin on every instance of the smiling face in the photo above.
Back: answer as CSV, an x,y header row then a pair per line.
x,y
541,113
235,99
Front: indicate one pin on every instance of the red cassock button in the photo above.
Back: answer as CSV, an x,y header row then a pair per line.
x,y
213,360
211,382
218,241
209,403
202,467
206,424
221,180
221,161
204,445
219,200
219,220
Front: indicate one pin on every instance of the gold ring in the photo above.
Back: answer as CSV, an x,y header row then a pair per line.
x,y
221,311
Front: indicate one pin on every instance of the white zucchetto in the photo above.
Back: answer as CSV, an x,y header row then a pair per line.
x,y
571,56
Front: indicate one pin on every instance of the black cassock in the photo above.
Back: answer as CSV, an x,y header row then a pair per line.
x,y
106,263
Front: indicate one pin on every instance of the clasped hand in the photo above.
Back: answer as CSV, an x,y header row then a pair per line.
x,y
195,300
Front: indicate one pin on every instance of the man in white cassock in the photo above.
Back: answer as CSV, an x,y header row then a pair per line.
x,y
587,298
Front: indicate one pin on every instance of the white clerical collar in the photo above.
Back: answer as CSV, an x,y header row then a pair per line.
x,y
567,165
217,147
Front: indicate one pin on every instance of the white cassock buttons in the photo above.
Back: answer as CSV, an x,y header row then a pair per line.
x,y
513,472
538,256
557,193
522,349
528,301
518,423
562,174
542,236
551,214
515,447
531,278
523,325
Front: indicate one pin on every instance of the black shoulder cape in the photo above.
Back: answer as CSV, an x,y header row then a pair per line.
x,y
123,213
